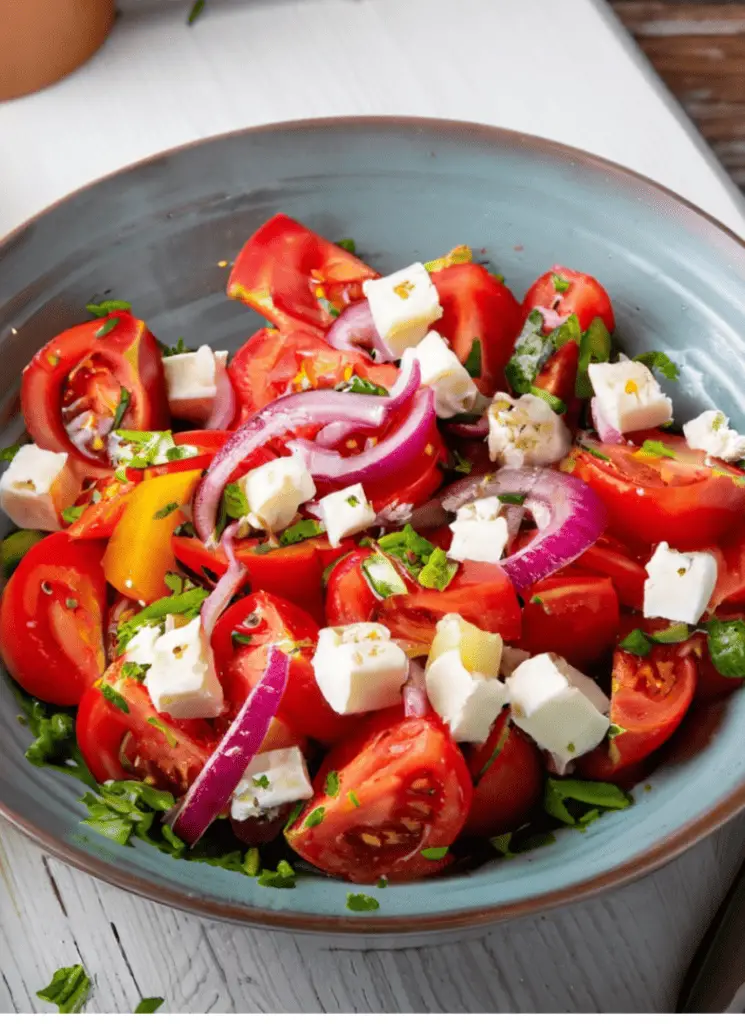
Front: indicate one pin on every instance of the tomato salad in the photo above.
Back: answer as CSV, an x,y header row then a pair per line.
x,y
419,575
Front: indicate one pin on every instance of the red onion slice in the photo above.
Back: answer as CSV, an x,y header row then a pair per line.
x,y
416,701
569,515
391,455
406,386
211,790
551,319
607,433
227,586
223,408
354,331
478,429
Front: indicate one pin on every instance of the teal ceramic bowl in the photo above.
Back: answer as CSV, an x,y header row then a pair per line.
x,y
156,234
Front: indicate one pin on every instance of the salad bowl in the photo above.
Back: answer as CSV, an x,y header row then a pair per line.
x,y
162,234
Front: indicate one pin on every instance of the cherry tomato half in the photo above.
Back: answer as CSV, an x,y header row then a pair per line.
x,y
584,296
573,616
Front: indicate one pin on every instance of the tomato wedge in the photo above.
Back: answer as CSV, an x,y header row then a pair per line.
x,y
609,557
284,269
403,787
88,379
574,616
577,293
52,619
104,506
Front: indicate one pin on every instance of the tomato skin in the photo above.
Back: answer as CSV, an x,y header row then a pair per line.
x,y
99,520
128,351
283,266
510,787
585,297
275,363
573,616
651,499
649,699
271,620
482,593
476,305
53,651
414,792
609,557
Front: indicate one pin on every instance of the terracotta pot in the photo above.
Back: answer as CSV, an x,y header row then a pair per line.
x,y
43,40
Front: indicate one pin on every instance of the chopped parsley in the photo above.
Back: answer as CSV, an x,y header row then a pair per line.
x,y
560,283
9,453
348,244
555,404
121,409
566,332
179,349
302,530
360,903
72,513
262,782
531,350
235,502
167,510
512,498
362,386
382,577
659,361
637,643
675,633
472,365
353,798
435,852
150,1004
187,604
196,9
252,863
315,817
439,571
102,309
162,727
565,799
461,465
282,878
658,448
241,639
408,547
331,786
594,451
594,347
68,990
110,694
353,501
138,449
174,582
107,327
54,745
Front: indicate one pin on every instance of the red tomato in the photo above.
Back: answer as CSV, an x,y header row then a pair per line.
x,y
72,388
140,743
711,683
650,499
585,297
265,620
99,518
285,268
649,698
477,306
559,374
609,557
730,589
207,441
573,616
480,592
276,363
508,774
123,608
52,619
403,788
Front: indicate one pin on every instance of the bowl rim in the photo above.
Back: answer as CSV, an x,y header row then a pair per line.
x,y
657,856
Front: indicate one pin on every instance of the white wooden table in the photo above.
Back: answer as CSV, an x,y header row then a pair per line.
x,y
527,64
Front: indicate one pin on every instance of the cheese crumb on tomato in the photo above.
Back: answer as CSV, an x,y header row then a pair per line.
x,y
711,433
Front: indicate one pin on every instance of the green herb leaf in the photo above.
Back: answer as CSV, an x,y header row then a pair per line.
x,y
262,782
360,903
659,361
331,787
531,350
726,643
162,727
560,283
72,513
636,643
302,530
15,546
601,795
54,744
595,347
382,883
252,862
472,365
502,844
241,639
174,582
107,327
435,852
68,990
461,465
566,332
167,510
295,813
353,798
315,817
9,453
110,694
512,499
361,386
121,409
555,404
151,1004
282,878
179,349
348,244
439,571
235,502
382,577
658,448
409,547
196,10
594,451
187,604
675,633
101,309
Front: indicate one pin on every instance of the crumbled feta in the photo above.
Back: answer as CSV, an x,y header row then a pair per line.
x,y
275,491
403,306
358,668
181,680
271,780
191,380
564,711
628,396
526,431
461,678
711,433
36,487
141,648
479,532
454,390
679,584
346,512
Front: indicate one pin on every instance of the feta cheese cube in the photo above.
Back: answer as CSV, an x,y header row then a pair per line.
x,y
441,370
564,711
628,396
711,433
479,532
467,702
403,305
36,487
141,648
181,679
271,780
526,431
358,668
679,584
346,512
191,380
275,491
